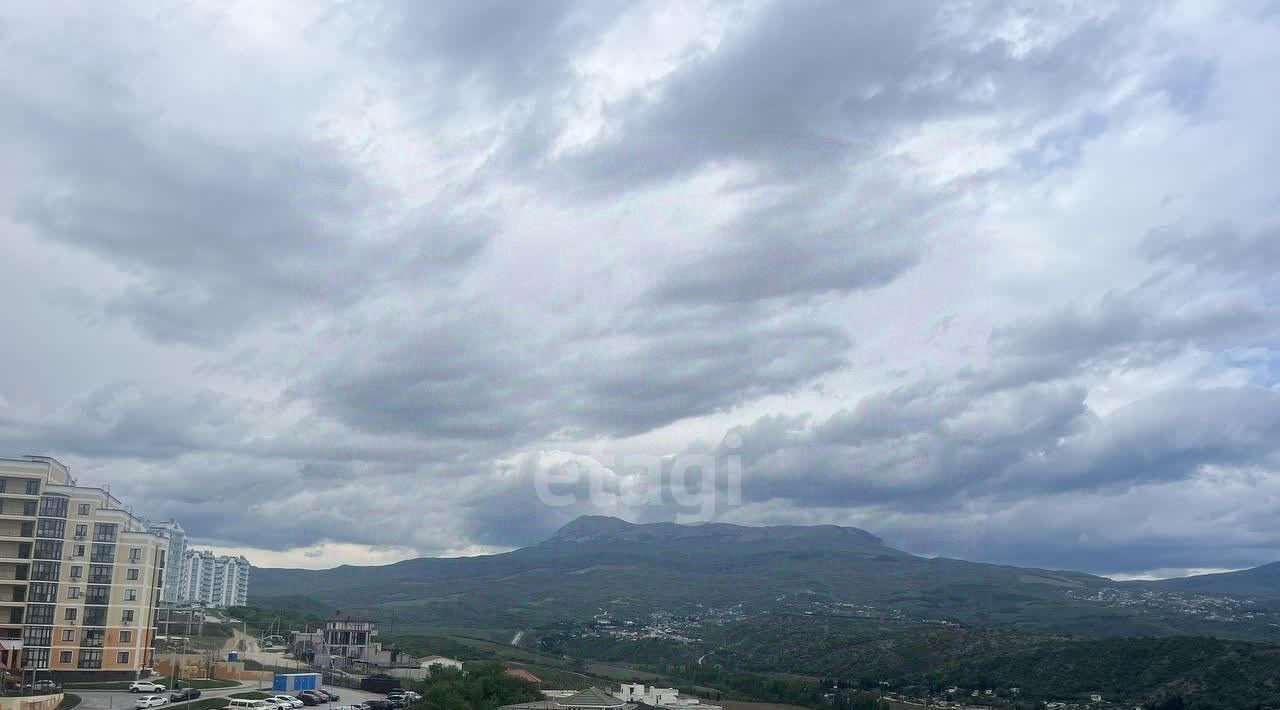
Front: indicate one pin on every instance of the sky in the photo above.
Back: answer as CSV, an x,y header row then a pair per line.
x,y
354,282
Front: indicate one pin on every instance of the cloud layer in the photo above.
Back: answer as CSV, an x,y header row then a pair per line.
x,y
333,283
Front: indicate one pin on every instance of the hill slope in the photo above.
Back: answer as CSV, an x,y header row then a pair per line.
x,y
1261,581
595,562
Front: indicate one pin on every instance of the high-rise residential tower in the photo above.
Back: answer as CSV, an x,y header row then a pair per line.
x,y
80,576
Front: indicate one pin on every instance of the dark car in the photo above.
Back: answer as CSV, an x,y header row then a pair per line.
x,y
332,696
312,697
379,705
184,694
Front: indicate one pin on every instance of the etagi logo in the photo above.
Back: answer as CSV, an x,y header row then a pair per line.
x,y
694,485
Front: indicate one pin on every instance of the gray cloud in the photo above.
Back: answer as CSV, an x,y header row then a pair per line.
x,y
280,274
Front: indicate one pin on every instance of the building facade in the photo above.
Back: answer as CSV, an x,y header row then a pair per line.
x,y
80,576
349,641
176,537
214,581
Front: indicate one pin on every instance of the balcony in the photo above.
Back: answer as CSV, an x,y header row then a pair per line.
x,y
15,551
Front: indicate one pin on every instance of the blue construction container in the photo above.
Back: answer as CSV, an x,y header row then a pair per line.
x,y
292,682
233,656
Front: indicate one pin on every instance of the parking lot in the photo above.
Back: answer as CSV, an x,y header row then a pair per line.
x,y
123,700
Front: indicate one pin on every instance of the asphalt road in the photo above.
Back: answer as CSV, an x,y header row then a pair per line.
x,y
123,700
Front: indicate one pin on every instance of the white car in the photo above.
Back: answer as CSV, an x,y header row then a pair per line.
x,y
288,701
150,701
277,703
145,686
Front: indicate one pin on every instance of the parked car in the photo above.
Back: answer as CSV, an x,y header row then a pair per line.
x,y
333,697
412,696
184,694
311,697
145,686
42,686
289,701
276,704
150,701
379,705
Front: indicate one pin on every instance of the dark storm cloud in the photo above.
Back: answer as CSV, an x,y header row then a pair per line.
x,y
1013,446
809,85
455,379
217,235
124,420
1147,324
787,248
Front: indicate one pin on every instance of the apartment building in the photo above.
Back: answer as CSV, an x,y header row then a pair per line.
x,y
176,538
214,581
80,576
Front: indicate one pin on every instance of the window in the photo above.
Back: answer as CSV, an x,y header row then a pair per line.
x,y
77,551
103,553
69,635
104,532
122,657
82,509
29,508
53,506
35,657
93,638
127,616
40,614
77,571
126,637
37,635
73,592
135,554
100,574
70,614
51,527
95,616
82,531
64,657
90,658
132,574
44,592
48,550
131,595
47,571
98,595
33,487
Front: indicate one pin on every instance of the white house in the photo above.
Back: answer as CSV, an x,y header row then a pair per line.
x,y
660,697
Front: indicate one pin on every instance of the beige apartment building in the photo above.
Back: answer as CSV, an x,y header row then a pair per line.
x,y
80,576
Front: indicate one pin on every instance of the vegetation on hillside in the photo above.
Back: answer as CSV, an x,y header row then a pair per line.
x,y
484,686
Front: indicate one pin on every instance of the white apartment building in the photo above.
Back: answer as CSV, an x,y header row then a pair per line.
x,y
667,698
214,581
172,532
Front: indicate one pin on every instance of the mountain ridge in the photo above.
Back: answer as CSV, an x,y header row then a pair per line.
x,y
599,562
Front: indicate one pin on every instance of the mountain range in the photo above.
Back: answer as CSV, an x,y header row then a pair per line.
x,y
598,565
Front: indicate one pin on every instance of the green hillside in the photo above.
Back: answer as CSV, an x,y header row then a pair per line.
x,y
637,570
